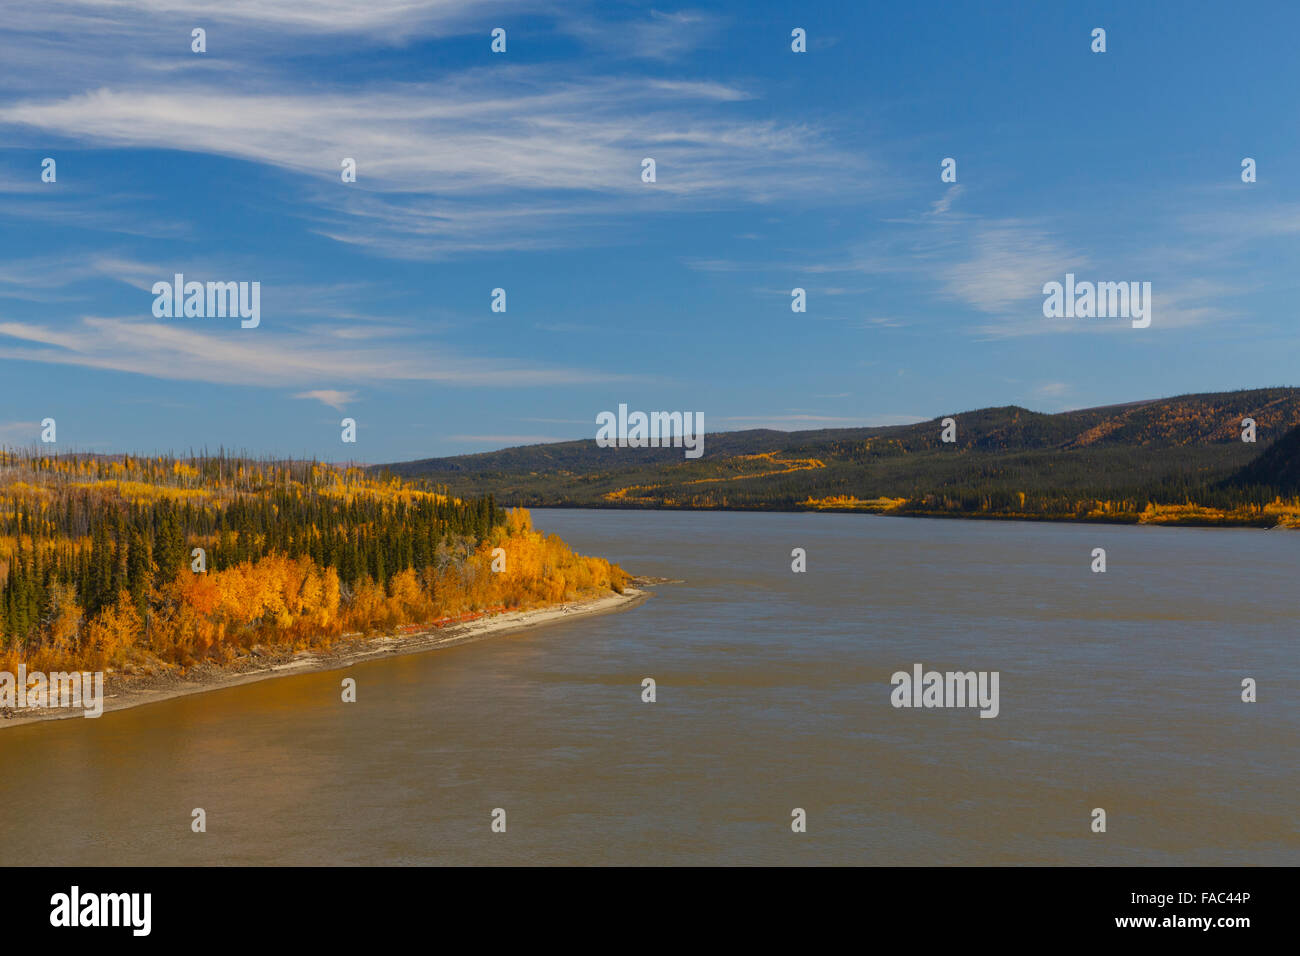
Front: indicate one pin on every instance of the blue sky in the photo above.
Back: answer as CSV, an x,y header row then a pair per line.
x,y
522,171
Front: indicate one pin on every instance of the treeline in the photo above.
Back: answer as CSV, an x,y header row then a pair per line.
x,y
183,559
1090,483
1181,456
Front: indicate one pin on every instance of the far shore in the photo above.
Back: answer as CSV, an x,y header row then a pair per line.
x,y
122,692
1257,523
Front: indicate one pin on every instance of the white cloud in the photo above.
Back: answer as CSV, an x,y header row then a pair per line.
x,y
942,205
329,396
450,139
702,90
237,356
394,18
35,278
488,160
1008,264
658,35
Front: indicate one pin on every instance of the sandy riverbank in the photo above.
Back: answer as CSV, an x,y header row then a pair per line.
x,y
122,691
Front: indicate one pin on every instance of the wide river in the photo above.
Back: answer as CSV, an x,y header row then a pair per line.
x,y
1119,691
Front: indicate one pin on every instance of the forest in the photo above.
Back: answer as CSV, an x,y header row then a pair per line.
x,y
1179,460
120,561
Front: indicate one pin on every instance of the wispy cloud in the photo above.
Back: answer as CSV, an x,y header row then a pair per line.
x,y
390,18
659,35
1007,263
701,90
38,278
943,205
434,161
329,396
246,357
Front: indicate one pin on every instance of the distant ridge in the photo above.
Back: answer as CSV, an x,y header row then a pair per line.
x,y
1114,460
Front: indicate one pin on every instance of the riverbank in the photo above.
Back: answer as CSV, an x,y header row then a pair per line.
x,y
1162,516
124,691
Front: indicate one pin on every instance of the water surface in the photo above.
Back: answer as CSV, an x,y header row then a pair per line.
x,y
1118,690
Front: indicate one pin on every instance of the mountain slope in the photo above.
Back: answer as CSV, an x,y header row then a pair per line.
x,y
1007,461
1276,468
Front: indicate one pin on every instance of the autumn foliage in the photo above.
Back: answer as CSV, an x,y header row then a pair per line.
x,y
98,569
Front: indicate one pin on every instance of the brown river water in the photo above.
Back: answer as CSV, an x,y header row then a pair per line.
x,y
1119,691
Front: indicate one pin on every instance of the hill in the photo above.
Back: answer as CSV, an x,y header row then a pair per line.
x,y
1277,468
1171,460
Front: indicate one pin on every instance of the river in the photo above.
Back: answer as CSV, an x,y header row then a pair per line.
x,y
1119,691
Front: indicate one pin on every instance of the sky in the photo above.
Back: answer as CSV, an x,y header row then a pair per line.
x,y
522,170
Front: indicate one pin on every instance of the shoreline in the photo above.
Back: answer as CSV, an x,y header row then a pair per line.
x,y
1189,522
204,678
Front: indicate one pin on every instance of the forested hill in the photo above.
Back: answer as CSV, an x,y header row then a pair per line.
x,y
1171,459
146,562
1277,467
